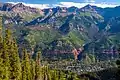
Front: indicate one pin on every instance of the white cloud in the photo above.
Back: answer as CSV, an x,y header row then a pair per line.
x,y
91,1
104,5
79,5
68,4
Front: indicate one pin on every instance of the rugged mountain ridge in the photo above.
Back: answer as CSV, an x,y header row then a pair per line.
x,y
26,12
18,8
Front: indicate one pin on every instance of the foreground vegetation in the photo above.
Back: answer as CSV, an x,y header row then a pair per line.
x,y
15,67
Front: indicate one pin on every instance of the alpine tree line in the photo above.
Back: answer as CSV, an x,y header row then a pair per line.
x,y
13,67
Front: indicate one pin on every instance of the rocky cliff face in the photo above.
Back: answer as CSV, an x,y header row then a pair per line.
x,y
19,8
25,12
6,7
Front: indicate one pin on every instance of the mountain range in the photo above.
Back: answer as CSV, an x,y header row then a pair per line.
x,y
63,29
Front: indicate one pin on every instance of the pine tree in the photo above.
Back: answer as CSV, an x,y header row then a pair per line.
x,y
37,67
4,58
5,54
46,73
1,60
4,69
15,65
33,69
26,67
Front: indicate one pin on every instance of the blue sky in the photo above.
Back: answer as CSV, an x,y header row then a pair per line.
x,y
57,1
65,3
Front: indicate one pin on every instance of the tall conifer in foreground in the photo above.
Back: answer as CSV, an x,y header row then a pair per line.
x,y
37,67
5,42
33,69
3,68
15,65
26,67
